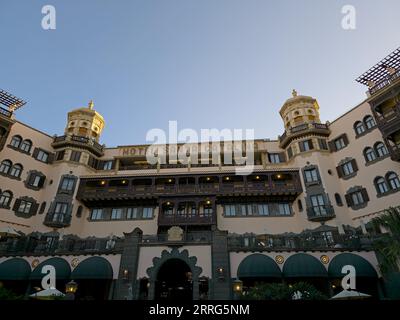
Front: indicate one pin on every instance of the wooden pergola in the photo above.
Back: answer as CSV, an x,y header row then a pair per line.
x,y
382,70
11,102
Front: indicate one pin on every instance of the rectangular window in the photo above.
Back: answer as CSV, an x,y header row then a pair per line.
x,y
147,213
290,152
97,214
284,209
339,143
116,213
318,204
67,184
132,213
263,209
60,155
230,210
322,144
75,156
311,175
107,165
24,206
60,211
42,156
357,198
306,145
347,168
274,157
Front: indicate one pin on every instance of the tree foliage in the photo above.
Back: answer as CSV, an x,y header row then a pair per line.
x,y
280,291
388,246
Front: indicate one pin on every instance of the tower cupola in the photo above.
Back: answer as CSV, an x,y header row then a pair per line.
x,y
85,122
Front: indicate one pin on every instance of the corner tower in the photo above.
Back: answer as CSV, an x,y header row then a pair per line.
x,y
83,131
85,122
300,115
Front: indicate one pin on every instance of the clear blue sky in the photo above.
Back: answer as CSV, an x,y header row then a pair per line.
x,y
204,63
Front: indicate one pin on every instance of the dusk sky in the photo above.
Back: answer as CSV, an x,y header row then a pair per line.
x,y
205,63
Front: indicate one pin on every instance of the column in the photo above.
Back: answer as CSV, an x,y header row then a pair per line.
x,y
126,283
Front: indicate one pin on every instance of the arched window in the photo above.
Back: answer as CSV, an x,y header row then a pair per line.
x,y
26,146
5,166
380,149
16,170
338,199
381,186
369,122
369,154
5,199
359,127
16,141
393,180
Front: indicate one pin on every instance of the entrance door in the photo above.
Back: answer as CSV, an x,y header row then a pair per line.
x,y
174,281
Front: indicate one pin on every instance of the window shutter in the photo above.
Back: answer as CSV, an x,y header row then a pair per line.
x,y
311,144
51,157
282,157
339,170
301,146
349,200
34,208
113,165
354,164
31,178
16,204
35,153
41,182
365,194
345,139
100,165
332,146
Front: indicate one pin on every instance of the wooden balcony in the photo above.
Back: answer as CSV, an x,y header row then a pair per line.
x,y
78,141
305,128
192,219
389,122
386,82
91,190
5,113
320,213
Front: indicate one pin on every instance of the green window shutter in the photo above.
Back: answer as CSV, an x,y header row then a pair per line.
x,y
349,200
365,194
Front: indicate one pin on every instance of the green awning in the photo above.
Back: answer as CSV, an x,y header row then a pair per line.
x,y
15,269
93,268
62,267
362,266
258,266
301,265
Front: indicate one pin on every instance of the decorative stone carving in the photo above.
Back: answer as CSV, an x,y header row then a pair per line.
x,y
175,234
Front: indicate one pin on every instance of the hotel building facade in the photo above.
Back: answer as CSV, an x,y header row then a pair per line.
x,y
126,229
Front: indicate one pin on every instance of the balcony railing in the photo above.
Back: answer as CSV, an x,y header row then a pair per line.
x,y
31,246
301,129
320,213
187,237
85,192
389,122
57,220
193,219
299,242
5,112
384,83
394,151
78,140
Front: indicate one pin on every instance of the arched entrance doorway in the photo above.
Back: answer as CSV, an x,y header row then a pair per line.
x,y
174,281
